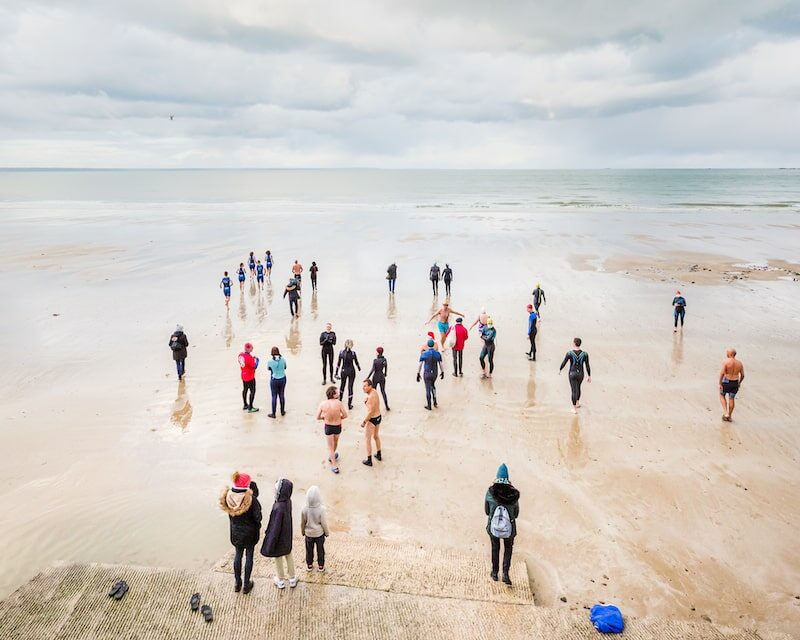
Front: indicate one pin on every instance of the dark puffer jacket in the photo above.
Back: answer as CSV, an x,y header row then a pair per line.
x,y
278,534
245,519
183,341
506,495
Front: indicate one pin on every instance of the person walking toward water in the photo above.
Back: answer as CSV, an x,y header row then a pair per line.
x,y
578,360
731,376
372,423
314,526
313,269
225,285
277,380
248,364
434,275
488,335
268,264
459,338
348,361
332,412
241,504
278,535
447,276
293,291
391,276
260,274
297,271
501,505
538,297
251,262
179,344
242,276
443,324
432,361
679,306
327,340
533,322
378,373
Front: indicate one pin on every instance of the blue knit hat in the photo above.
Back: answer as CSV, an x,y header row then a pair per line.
x,y
502,475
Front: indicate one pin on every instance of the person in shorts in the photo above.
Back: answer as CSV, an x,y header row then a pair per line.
x,y
332,412
372,423
731,376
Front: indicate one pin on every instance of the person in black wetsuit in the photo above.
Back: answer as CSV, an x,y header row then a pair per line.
x,y
447,276
313,271
391,276
348,361
679,304
327,339
377,375
578,360
538,297
435,278
293,291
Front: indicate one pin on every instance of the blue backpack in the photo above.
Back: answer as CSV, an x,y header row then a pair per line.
x,y
607,618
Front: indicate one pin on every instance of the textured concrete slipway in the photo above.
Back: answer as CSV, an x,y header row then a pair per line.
x,y
371,590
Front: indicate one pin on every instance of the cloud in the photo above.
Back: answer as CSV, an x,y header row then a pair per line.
x,y
379,83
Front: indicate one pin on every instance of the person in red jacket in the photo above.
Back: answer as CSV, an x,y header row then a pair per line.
x,y
461,336
248,364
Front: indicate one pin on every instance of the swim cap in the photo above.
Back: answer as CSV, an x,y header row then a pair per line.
x,y
430,334
530,307
379,349
248,346
459,319
489,321
430,343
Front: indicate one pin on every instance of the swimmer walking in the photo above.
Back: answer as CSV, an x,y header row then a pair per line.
x,y
332,412
731,376
268,264
242,276
432,361
260,274
348,361
225,285
372,423
378,373
251,262
578,360
538,297
679,304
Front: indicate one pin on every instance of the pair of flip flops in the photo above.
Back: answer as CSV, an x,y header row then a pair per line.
x,y
119,590
208,614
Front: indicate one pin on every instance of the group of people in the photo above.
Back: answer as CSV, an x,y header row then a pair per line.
x,y
241,504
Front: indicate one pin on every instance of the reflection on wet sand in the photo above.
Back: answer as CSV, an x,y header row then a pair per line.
x,y
242,308
391,310
261,308
182,407
293,341
314,305
677,347
228,332
269,292
531,398
575,453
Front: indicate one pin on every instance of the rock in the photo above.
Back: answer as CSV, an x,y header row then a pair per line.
x,y
705,617
563,598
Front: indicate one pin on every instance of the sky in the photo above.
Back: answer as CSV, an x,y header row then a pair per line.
x,y
403,84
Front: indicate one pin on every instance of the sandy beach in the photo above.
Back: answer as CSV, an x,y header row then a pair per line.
x,y
645,499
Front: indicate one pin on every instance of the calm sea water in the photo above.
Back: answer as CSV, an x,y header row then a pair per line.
x,y
617,189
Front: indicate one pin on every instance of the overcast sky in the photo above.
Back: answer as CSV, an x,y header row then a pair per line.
x,y
409,83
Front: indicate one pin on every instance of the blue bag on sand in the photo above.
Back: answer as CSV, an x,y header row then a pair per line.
x,y
607,618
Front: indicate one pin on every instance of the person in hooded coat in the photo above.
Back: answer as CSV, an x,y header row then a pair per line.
x,y
241,504
179,344
314,526
502,493
278,534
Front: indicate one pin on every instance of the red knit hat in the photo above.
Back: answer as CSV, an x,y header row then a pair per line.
x,y
241,480
430,334
530,306
379,349
248,346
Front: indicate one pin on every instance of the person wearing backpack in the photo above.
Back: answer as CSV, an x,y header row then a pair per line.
x,y
501,505
179,343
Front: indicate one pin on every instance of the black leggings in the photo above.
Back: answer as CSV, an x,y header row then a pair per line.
x,y
532,336
509,548
458,361
327,358
447,288
314,283
381,384
319,543
488,350
248,564
435,285
681,313
293,307
575,380
348,378
248,385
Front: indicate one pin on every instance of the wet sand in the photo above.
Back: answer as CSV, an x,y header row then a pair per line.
x,y
645,499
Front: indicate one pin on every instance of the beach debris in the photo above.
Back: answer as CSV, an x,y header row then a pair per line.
x,y
563,598
705,617
607,618
194,602
208,614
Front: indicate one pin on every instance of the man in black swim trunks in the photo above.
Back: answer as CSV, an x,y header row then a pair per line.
x,y
372,423
731,376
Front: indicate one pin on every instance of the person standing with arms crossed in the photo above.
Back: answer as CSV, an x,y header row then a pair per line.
x,y
248,364
578,360
348,361
378,373
332,412
372,423
731,376
327,340
679,306
432,361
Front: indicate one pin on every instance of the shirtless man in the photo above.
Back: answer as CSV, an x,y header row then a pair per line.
x,y
731,376
372,422
480,320
297,270
444,316
332,412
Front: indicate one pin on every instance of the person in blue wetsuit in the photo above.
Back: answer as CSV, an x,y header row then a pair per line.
x,y
251,262
432,361
533,320
268,265
225,285
578,360
488,335
679,305
242,276
260,274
